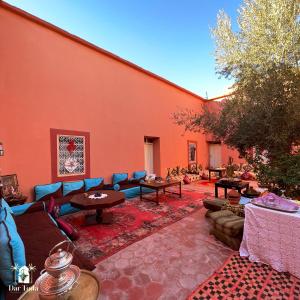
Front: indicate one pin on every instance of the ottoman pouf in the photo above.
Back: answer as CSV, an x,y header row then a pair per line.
x,y
227,227
214,205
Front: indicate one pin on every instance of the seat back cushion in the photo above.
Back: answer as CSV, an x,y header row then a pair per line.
x,y
4,204
139,175
73,187
11,248
120,178
29,207
46,191
93,184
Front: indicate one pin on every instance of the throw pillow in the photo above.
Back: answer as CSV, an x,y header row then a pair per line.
x,y
46,191
116,187
139,175
53,208
69,230
186,180
11,248
120,178
246,176
204,176
28,208
94,184
73,187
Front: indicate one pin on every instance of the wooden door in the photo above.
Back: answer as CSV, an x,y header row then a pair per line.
x,y
215,160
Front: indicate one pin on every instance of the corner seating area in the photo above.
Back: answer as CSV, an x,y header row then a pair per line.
x,y
62,192
37,227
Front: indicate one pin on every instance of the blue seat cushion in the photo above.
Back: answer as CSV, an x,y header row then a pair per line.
x,y
93,184
139,175
46,191
67,209
120,178
11,248
73,187
132,192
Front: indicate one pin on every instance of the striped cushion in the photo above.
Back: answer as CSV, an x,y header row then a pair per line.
x,y
227,222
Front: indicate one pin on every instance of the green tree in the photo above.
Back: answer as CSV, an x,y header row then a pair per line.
x,y
263,113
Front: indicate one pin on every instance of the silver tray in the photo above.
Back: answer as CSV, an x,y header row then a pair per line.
x,y
274,207
45,281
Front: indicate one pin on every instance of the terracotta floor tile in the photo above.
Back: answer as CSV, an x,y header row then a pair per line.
x,y
167,265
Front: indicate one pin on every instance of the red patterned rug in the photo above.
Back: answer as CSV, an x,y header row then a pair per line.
x,y
132,221
239,278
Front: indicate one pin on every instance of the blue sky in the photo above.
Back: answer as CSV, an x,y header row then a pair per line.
x,y
168,37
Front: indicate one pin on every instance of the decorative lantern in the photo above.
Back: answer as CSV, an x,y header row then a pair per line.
x,y
59,276
1,149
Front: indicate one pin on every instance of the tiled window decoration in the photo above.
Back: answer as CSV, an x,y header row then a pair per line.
x,y
70,155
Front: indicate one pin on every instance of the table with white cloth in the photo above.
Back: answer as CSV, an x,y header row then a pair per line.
x,y
272,237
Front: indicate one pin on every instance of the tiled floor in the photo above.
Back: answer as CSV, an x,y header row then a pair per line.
x,y
169,264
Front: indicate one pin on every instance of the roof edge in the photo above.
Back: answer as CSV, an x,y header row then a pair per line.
x,y
92,46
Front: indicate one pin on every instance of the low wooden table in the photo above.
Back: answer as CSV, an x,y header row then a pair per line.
x,y
88,287
239,186
82,201
159,186
216,170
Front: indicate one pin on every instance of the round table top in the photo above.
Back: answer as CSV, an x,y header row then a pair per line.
x,y
88,287
82,201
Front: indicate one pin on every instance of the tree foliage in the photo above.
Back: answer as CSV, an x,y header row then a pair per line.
x,y
263,58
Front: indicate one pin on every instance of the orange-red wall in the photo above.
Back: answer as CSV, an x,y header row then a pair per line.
x,y
50,81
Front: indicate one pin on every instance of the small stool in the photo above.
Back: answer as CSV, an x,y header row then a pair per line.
x,y
227,227
214,205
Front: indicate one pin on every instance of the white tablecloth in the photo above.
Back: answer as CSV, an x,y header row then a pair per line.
x,y
272,237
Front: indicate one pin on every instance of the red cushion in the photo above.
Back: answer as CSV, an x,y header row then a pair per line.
x,y
186,180
204,176
51,205
246,176
69,230
53,208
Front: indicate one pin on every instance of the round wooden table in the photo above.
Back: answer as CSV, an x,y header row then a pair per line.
x,y
88,288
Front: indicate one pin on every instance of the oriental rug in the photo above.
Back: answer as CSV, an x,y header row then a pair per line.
x,y
239,278
132,221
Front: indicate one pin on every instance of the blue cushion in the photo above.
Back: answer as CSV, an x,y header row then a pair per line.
x,y
93,183
116,187
139,174
135,191
67,209
21,209
11,248
47,190
244,200
72,187
118,177
4,204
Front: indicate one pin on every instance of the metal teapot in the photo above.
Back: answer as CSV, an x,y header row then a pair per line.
x,y
59,275
59,261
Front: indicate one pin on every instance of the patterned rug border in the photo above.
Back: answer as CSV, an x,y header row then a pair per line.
x,y
147,235
215,273
212,275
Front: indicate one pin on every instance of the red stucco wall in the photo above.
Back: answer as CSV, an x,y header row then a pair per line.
x,y
50,81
